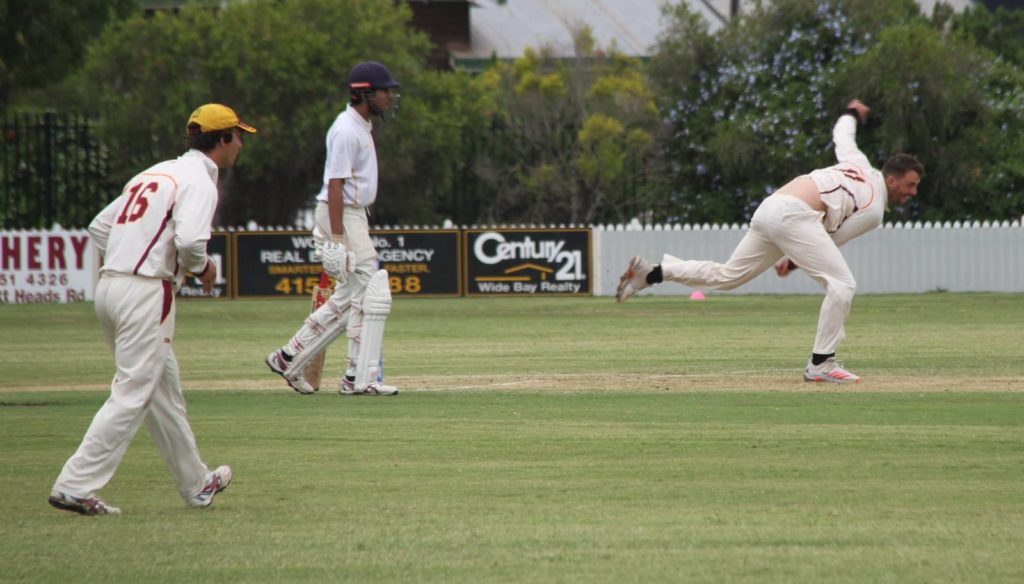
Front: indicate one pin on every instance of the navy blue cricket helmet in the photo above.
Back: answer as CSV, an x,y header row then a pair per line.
x,y
370,75
367,77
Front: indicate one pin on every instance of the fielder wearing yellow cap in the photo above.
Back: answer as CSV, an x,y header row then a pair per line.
x,y
214,117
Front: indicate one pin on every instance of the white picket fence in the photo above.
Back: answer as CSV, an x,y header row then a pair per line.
x,y
898,257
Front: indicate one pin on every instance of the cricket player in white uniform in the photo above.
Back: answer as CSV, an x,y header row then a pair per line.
x,y
803,224
149,237
362,298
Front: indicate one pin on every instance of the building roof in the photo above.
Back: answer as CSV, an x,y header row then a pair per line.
x,y
927,6
505,28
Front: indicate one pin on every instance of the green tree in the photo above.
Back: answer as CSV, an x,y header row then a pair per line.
x,y
42,41
957,108
568,134
751,106
425,172
1000,31
282,65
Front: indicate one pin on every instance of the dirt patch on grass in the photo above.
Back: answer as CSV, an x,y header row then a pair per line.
x,y
682,383
607,382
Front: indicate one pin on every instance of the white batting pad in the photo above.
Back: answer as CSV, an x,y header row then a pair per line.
x,y
376,307
320,328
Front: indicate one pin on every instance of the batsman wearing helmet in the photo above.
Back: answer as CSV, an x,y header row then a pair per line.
x,y
361,300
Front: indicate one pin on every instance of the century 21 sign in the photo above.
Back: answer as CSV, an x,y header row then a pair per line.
x,y
527,261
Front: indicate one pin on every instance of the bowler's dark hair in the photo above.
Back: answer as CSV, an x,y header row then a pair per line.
x,y
204,142
901,164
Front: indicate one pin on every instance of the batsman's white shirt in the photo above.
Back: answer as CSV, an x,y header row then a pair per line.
x,y
161,222
854,193
351,156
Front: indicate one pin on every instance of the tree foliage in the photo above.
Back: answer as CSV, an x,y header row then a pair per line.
x,y
424,166
1000,31
954,106
701,133
282,65
571,132
42,41
752,106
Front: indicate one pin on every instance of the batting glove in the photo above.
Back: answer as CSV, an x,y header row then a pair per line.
x,y
338,261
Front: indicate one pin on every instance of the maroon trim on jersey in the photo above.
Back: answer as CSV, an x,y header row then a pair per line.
x,y
847,191
168,301
149,247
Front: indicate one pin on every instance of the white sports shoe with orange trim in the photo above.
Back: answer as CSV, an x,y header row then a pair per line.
x,y
634,279
831,371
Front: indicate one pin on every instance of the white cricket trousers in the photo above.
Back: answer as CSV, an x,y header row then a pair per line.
x,y
343,310
783,225
137,317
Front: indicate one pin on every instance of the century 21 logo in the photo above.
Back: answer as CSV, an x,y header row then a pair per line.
x,y
491,248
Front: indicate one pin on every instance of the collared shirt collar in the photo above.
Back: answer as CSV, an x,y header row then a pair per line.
x,y
211,166
363,122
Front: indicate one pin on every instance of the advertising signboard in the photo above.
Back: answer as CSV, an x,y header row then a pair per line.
x,y
57,265
219,250
282,263
527,262
421,262
275,263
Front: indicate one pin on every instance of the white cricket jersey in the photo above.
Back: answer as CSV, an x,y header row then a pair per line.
x,y
351,156
854,193
159,226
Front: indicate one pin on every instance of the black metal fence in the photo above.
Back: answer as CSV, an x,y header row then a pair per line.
x,y
52,170
55,170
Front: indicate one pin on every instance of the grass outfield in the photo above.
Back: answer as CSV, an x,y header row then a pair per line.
x,y
546,439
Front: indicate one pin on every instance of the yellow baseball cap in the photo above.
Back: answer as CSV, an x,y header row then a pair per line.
x,y
214,117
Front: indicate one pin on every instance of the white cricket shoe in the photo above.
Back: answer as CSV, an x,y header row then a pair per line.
x,y
831,371
278,364
374,388
91,505
215,482
634,279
